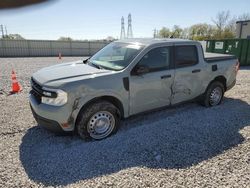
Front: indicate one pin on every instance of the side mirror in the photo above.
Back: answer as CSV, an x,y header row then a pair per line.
x,y
139,70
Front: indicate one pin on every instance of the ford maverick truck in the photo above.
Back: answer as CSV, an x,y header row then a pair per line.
x,y
125,78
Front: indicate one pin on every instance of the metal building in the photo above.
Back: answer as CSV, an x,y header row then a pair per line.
x,y
243,29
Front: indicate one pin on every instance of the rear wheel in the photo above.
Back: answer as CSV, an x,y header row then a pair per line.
x,y
214,94
98,121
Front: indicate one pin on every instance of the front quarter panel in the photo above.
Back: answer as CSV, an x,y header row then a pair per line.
x,y
86,90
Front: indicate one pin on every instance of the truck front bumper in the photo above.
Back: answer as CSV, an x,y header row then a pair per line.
x,y
47,123
50,117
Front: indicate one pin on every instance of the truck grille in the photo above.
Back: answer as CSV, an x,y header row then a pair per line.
x,y
36,91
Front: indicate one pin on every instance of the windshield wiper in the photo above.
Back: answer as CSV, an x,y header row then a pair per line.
x,y
86,60
97,66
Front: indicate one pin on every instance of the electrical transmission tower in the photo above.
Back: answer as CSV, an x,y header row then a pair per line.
x,y
122,29
130,32
2,31
6,31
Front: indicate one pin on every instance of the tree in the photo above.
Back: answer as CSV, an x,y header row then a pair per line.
x,y
110,38
201,31
165,32
228,34
65,39
185,33
221,19
244,16
225,25
14,37
176,33
231,26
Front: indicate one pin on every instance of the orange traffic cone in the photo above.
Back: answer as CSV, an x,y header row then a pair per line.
x,y
60,56
15,85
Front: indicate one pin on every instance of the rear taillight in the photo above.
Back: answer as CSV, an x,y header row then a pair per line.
x,y
237,66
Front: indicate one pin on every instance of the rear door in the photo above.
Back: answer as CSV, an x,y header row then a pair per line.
x,y
188,73
153,89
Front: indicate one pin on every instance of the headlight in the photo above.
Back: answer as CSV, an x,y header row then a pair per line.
x,y
55,97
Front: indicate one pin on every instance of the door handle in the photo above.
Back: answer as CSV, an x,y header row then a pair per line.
x,y
196,70
166,76
214,67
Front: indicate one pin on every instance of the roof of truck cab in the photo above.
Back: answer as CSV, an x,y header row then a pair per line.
x,y
149,41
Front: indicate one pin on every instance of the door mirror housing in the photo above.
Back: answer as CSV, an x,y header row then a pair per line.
x,y
140,69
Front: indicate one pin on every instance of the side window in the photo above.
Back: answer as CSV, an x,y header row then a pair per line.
x,y
185,56
156,59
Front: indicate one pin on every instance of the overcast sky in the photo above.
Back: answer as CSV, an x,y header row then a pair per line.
x,y
97,19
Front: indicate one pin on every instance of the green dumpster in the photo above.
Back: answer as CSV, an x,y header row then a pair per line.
x,y
219,46
210,46
238,47
234,46
248,54
245,53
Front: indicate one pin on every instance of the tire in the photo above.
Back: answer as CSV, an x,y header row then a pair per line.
x,y
214,94
98,121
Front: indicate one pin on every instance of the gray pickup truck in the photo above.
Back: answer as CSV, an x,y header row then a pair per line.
x,y
128,77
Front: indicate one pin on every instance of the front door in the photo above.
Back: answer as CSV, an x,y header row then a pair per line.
x,y
152,89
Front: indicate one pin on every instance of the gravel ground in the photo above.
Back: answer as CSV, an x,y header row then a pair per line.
x,y
184,146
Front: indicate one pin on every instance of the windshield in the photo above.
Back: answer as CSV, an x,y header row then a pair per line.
x,y
115,56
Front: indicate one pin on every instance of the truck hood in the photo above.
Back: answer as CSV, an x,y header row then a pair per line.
x,y
65,71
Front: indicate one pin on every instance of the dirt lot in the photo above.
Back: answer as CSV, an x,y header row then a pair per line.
x,y
184,146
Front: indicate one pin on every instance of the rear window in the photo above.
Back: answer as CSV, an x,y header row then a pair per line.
x,y
185,56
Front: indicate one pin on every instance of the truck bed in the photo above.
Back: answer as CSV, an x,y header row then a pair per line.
x,y
214,57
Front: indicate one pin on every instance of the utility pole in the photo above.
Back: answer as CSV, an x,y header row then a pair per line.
x,y
155,33
2,31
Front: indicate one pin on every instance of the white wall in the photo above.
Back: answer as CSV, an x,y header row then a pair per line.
x,y
39,48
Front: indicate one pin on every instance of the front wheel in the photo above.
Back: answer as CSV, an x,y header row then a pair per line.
x,y
214,94
98,121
